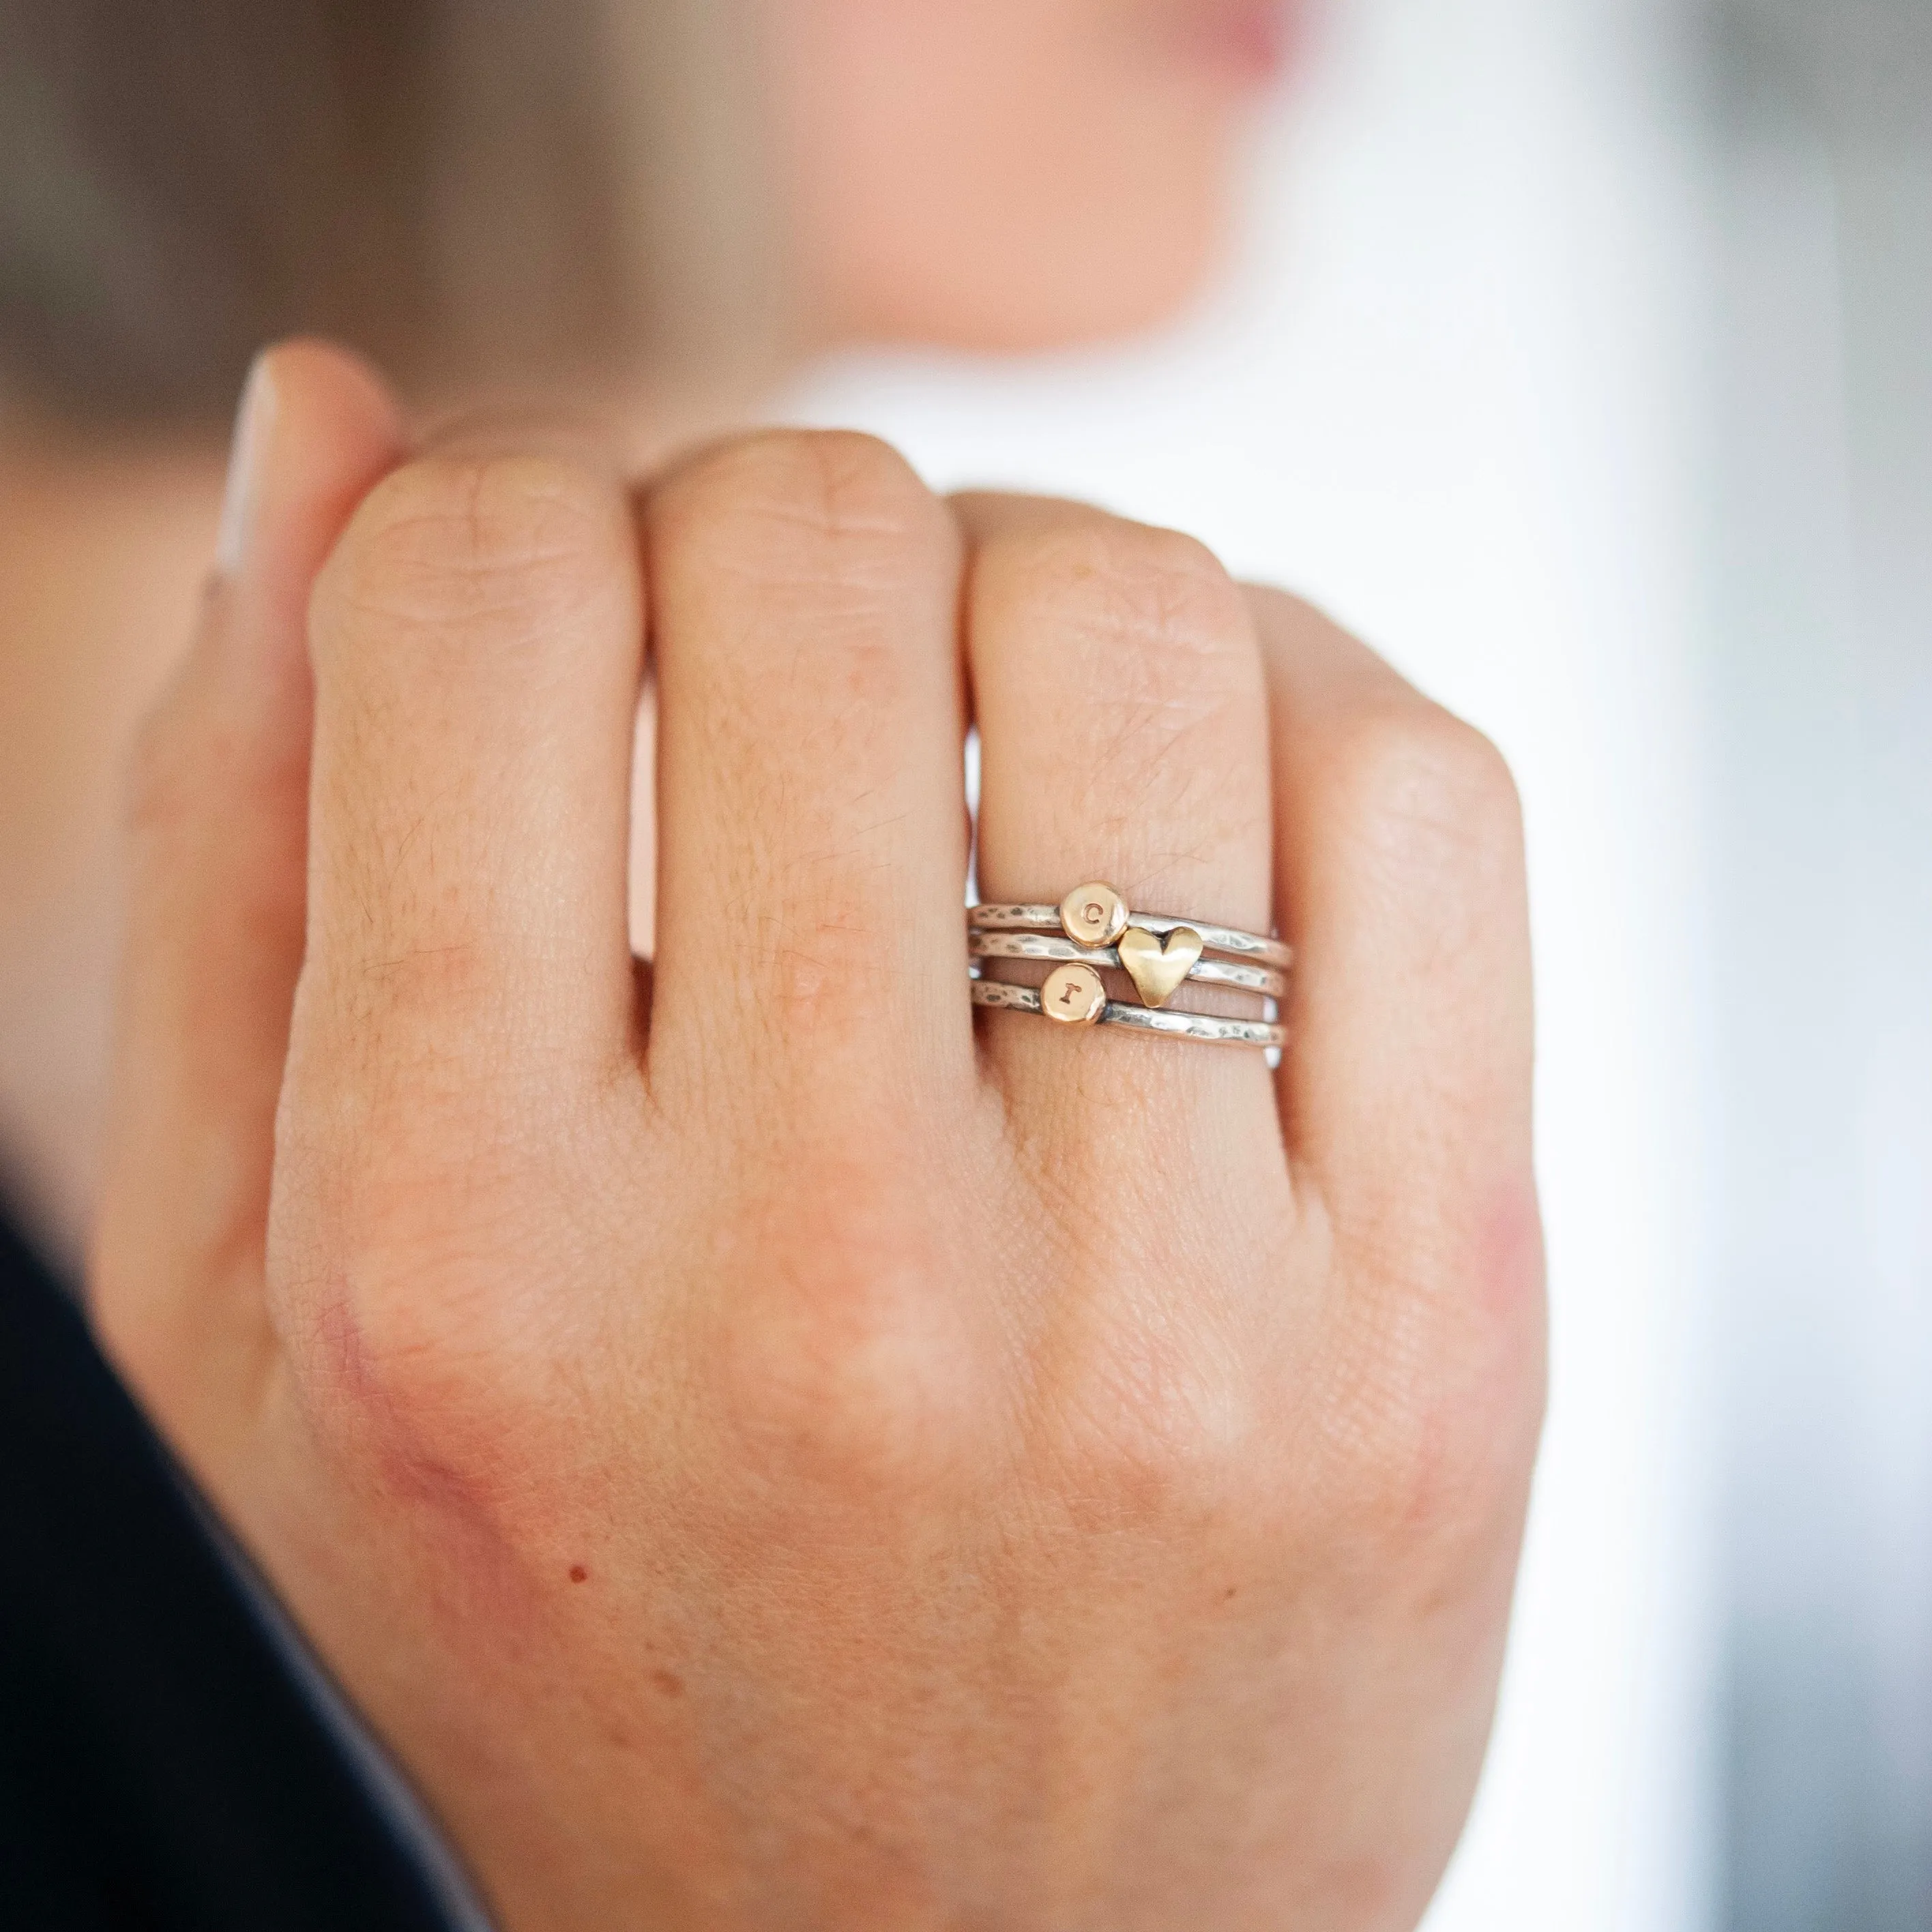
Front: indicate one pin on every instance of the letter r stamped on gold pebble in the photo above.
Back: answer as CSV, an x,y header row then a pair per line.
x,y
1073,995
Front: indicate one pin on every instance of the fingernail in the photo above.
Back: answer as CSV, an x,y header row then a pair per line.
x,y
253,420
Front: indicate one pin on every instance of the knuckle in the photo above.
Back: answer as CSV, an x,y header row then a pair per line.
x,y
1151,604
1430,797
1436,1425
429,1357
1152,642
1153,1431
843,1361
483,548
788,505
432,1399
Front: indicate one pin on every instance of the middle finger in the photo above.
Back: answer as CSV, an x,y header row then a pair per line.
x,y
812,838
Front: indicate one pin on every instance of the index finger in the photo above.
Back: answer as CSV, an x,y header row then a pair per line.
x,y
477,639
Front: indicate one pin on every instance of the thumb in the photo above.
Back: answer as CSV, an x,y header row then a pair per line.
x,y
216,833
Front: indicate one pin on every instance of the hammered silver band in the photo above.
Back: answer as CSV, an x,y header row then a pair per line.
x,y
997,993
1215,938
982,944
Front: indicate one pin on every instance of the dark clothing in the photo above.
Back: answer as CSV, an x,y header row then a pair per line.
x,y
164,1764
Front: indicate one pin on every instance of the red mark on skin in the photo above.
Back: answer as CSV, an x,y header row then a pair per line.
x,y
1509,1332
578,1573
1510,1259
669,1682
408,1469
485,1581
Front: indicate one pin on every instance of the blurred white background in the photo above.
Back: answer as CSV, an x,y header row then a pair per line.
x,y
1454,392
1579,356
1822,659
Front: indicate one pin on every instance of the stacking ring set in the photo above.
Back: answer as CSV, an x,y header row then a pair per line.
x,y
1092,931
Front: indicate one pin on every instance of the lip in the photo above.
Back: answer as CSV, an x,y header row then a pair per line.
x,y
1252,42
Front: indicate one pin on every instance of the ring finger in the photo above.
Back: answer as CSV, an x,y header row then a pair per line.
x,y
1119,691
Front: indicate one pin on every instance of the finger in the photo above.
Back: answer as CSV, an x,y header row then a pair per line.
x,y
1405,1092
1118,692
812,854
476,639
214,934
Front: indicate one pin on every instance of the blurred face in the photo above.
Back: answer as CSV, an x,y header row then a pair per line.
x,y
1011,174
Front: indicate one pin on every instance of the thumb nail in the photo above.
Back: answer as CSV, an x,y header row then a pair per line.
x,y
254,420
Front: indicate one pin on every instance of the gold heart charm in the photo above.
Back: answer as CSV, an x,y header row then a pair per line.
x,y
1157,970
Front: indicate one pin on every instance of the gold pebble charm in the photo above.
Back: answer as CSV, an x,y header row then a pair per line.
x,y
1073,995
1094,915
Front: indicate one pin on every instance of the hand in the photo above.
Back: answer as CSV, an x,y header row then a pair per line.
x,y
765,1450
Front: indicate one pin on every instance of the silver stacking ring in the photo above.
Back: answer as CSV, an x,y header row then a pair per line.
x,y
1114,1012
1262,980
1093,928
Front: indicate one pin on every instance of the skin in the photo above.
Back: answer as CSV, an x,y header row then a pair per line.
x,y
764,1448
